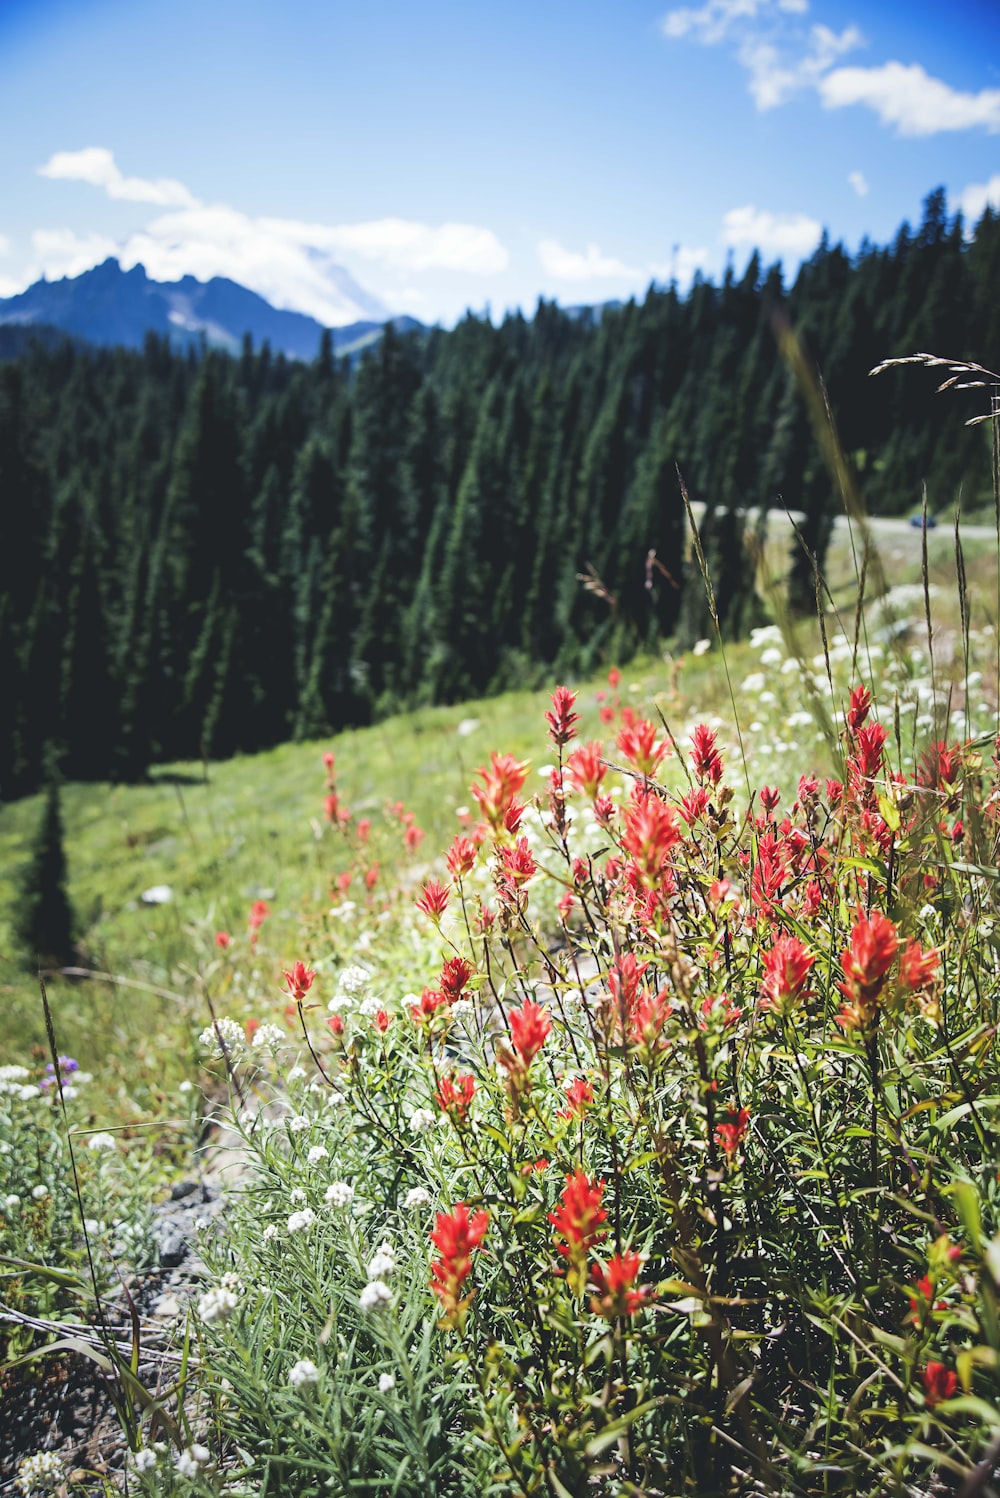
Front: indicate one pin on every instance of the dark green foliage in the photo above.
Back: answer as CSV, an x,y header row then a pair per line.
x,y
204,554
43,923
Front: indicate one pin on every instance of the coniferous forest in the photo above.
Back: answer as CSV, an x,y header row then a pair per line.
x,y
202,554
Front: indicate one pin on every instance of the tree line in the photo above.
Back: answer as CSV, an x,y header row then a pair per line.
x,y
202,554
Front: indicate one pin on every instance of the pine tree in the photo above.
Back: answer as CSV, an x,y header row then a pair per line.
x,y
44,918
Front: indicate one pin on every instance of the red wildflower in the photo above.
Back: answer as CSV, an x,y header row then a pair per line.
x,y
222,939
512,816
604,810
866,963
705,755
769,870
858,708
651,832
579,1215
461,857
585,768
259,912
455,974
730,1135
637,743
579,1096
529,1029
564,905
614,677
866,761
455,1093
786,968
939,1383
516,867
298,981
456,1236
382,1021
344,882
433,900
328,762
562,720
330,805
501,783
614,1283
335,1024
431,1000
917,968
607,714
769,798
251,1027
364,828
413,837
694,803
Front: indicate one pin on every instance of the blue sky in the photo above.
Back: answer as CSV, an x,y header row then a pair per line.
x,y
451,155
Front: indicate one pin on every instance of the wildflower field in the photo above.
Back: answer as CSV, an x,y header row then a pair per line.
x,y
608,1103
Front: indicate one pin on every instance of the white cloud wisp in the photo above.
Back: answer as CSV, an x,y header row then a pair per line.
x,y
908,98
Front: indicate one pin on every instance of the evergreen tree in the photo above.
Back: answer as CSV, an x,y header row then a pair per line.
x,y
43,921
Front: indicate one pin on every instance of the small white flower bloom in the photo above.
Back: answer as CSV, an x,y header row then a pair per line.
x,y
369,1007
270,1233
11,1201
297,1122
144,1460
225,1032
317,1153
297,1196
420,1119
296,1073
217,1304
301,1221
39,1192
304,1373
268,1038
381,1265
13,1074
461,1008
385,1383
701,647
192,1459
340,1194
93,1226
40,1473
337,1003
354,980
375,1295
102,1142
28,1091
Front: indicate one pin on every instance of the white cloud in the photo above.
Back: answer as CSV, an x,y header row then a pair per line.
x,y
909,98
294,265
715,20
773,78
682,265
859,182
4,245
403,244
61,252
97,166
977,197
570,265
777,234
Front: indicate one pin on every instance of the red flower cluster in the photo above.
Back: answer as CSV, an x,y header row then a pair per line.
x,y
939,1383
298,981
705,755
730,1134
578,1218
866,963
501,783
586,770
638,745
461,857
650,833
615,1288
455,974
433,900
259,912
562,720
455,1093
456,1236
579,1096
529,1030
786,970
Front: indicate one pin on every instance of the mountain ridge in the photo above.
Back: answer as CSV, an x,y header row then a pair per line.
x,y
107,305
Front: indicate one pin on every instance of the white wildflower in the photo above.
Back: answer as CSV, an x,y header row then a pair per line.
x,y
461,1008
382,1264
144,1460
335,1098
701,647
217,1304
102,1142
340,1194
753,683
268,1038
39,1192
12,1201
14,1074
186,1086
296,1073
375,1295
40,1473
227,1033
303,1374
420,1119
270,1233
28,1091
297,1122
317,1153
297,1196
385,1383
301,1221
354,980
369,1007
192,1459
